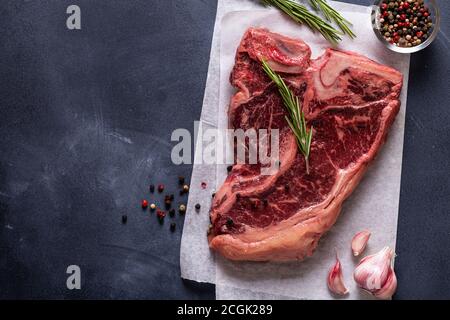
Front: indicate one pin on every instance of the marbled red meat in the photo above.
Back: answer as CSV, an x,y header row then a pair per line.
x,y
348,99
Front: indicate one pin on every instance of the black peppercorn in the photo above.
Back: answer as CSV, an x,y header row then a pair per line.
x,y
230,222
152,188
124,219
172,226
229,168
181,180
197,206
167,201
172,212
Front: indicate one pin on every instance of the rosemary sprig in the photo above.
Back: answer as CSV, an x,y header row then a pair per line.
x,y
296,119
332,15
302,15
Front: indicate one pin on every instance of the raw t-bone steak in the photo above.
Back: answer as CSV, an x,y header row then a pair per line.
x,y
348,99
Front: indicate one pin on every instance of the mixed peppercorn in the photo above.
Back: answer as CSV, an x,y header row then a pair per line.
x,y
167,202
168,199
405,23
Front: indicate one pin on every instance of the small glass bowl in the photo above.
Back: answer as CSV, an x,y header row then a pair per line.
x,y
435,15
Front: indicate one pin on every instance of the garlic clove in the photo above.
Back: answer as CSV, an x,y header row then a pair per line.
x,y
335,279
388,290
376,275
359,242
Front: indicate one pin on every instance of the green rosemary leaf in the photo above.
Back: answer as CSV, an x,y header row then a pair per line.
x,y
296,119
332,15
302,15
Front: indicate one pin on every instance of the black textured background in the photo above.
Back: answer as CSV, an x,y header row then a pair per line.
x,y
85,124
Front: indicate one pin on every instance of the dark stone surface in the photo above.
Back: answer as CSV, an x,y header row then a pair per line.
x,y
423,239
85,125
86,119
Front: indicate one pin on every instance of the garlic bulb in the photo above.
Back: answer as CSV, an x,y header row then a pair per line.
x,y
359,242
335,279
376,275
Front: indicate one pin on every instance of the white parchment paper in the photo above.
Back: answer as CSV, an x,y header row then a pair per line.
x,y
373,205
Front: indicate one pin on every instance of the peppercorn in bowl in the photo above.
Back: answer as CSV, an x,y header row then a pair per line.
x,y
406,26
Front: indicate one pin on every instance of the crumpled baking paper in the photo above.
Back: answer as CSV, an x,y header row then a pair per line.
x,y
373,205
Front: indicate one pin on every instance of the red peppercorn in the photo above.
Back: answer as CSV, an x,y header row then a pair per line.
x,y
161,214
160,188
385,14
419,34
144,204
406,5
384,6
426,14
403,16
